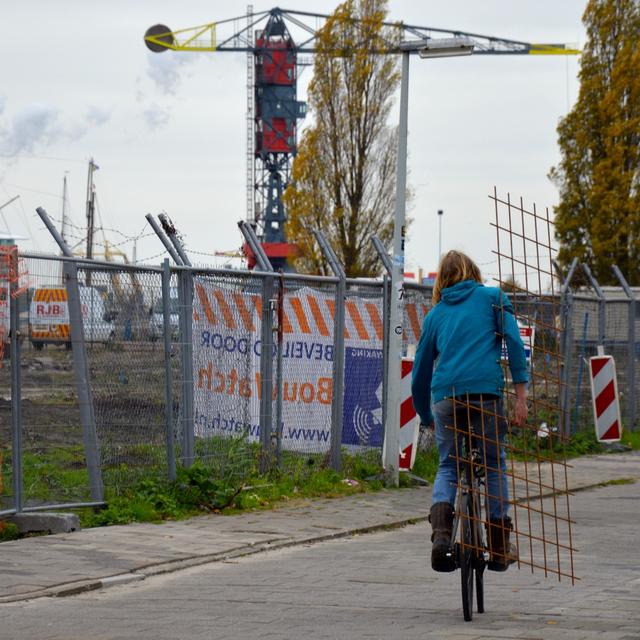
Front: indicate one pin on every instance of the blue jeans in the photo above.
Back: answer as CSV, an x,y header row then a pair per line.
x,y
492,431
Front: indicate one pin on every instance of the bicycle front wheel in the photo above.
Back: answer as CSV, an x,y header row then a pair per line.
x,y
466,557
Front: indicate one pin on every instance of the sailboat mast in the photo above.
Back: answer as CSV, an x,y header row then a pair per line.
x,y
63,229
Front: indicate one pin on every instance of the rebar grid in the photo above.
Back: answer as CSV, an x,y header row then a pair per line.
x,y
535,462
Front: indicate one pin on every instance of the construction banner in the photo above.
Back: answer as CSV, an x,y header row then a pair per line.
x,y
227,379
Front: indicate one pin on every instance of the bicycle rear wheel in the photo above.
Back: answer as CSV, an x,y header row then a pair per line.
x,y
466,556
479,559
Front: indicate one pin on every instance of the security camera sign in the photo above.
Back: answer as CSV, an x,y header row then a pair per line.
x,y
527,334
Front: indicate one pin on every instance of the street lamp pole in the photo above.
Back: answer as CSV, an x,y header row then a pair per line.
x,y
427,48
440,214
392,426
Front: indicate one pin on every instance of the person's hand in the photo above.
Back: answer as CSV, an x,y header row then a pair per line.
x,y
521,412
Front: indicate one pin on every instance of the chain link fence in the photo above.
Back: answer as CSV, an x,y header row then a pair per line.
x,y
612,321
236,370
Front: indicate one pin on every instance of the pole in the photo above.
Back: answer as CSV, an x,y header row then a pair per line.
x,y
279,381
163,238
440,213
385,344
392,426
63,227
382,254
185,318
254,244
337,397
83,384
16,392
566,301
91,208
168,371
170,230
64,247
80,363
266,372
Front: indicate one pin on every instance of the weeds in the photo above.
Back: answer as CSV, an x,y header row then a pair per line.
x,y
8,531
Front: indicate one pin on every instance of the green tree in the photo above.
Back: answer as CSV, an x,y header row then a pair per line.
x,y
598,218
343,177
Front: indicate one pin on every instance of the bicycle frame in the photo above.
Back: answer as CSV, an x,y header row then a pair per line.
x,y
469,548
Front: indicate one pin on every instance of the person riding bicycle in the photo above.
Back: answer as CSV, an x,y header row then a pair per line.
x,y
462,338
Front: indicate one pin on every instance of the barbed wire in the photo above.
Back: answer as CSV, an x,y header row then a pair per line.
x,y
157,255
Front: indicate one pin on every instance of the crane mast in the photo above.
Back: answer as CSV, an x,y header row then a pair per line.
x,y
273,41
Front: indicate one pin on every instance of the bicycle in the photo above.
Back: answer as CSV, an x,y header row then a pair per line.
x,y
469,551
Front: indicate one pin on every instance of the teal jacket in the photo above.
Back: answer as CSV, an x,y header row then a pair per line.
x,y
462,337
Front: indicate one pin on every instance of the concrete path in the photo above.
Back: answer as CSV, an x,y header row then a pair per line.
x,y
370,587
68,564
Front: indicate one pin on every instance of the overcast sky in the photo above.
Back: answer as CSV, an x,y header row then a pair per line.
x,y
168,131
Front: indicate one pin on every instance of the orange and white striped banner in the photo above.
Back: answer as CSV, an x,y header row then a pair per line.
x,y
227,348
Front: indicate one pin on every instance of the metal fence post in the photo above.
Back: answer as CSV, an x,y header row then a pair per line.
x,y
337,396
337,399
186,356
168,369
279,355
566,344
82,375
16,399
631,348
266,372
386,296
386,315
80,364
567,357
266,342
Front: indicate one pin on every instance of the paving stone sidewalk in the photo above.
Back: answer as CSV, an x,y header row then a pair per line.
x,y
65,564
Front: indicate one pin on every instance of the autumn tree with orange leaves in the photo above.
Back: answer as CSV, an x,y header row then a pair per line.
x,y
598,218
343,177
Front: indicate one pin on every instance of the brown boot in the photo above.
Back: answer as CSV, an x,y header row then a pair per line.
x,y
441,518
503,553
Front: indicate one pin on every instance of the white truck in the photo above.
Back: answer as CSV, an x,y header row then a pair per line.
x,y
49,317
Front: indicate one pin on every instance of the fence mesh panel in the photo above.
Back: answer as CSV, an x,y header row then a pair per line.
x,y
6,453
363,430
54,464
217,374
126,360
227,345
306,381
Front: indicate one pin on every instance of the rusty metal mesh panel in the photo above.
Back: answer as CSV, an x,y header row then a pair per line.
x,y
530,484
535,470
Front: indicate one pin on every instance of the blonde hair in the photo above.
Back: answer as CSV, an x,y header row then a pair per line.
x,y
454,267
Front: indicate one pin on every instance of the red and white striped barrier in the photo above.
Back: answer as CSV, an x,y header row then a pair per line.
x,y
604,393
409,422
